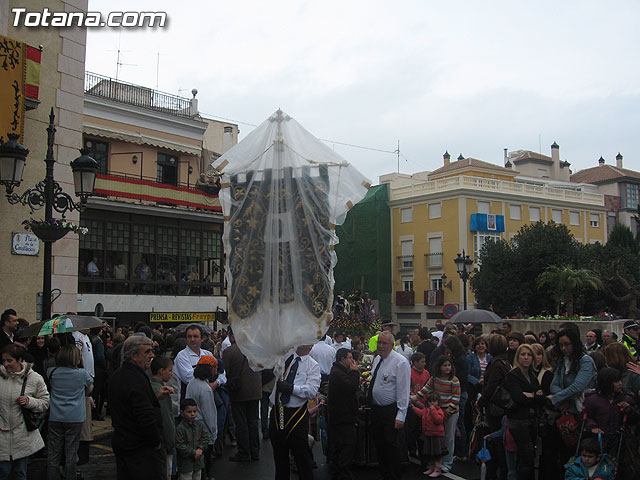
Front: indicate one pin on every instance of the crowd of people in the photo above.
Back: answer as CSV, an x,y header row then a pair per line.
x,y
552,401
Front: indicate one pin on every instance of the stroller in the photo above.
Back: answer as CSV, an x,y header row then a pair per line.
x,y
611,446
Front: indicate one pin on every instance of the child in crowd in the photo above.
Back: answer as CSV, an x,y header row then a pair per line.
x,y
510,448
161,373
590,464
419,377
605,408
192,438
447,385
419,373
433,434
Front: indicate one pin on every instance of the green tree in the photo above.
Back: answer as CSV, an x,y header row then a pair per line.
x,y
618,265
495,284
507,277
566,282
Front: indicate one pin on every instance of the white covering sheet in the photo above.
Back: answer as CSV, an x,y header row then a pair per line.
x,y
283,192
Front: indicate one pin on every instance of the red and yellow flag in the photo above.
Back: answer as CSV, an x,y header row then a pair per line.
x,y
32,84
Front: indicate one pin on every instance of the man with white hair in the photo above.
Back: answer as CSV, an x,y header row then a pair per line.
x,y
135,414
389,399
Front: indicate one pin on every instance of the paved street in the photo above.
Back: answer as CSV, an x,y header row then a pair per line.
x,y
102,466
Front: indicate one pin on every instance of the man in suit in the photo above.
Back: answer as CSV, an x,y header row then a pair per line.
x,y
245,391
289,424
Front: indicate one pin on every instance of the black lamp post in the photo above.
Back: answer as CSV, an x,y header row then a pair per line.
x,y
47,193
463,266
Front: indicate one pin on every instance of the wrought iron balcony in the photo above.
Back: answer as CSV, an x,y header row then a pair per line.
x,y
404,262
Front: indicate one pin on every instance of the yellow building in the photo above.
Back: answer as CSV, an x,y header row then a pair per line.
x,y
436,215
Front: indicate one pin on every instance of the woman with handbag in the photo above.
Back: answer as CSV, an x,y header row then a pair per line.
x,y
575,373
523,386
69,386
494,376
21,390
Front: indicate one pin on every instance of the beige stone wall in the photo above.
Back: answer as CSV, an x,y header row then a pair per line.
x,y
61,87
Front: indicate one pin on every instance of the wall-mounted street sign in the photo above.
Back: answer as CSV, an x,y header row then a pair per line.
x,y
24,244
182,317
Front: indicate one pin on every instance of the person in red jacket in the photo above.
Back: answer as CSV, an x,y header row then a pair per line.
x,y
433,433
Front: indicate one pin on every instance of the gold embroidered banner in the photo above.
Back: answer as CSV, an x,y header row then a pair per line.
x,y
12,81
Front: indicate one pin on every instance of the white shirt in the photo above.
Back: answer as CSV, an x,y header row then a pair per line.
x,y
325,355
92,269
338,345
406,352
83,342
393,383
305,384
226,343
328,340
185,362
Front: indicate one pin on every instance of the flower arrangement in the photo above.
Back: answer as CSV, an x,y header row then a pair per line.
x,y
360,320
54,224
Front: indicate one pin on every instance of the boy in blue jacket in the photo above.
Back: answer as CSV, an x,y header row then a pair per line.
x,y
591,464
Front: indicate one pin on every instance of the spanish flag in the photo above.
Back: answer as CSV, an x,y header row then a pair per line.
x,y
32,83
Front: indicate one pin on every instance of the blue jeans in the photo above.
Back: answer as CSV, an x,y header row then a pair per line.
x,y
63,437
17,469
462,444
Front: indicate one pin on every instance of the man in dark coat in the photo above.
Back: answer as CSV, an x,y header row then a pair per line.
x,y
428,344
344,381
245,392
135,414
8,327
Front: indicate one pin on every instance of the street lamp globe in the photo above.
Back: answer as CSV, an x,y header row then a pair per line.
x,y
459,263
13,157
84,169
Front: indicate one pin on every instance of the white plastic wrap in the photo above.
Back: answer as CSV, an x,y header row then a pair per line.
x,y
283,192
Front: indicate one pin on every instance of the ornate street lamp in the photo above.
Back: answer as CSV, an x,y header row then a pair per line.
x,y
47,193
463,267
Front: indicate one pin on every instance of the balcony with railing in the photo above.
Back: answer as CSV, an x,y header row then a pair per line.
x,y
149,191
136,95
405,298
498,186
404,262
433,260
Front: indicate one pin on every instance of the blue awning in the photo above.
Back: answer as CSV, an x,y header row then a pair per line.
x,y
483,222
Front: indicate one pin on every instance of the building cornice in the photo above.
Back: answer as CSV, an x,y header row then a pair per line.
x,y
131,115
157,211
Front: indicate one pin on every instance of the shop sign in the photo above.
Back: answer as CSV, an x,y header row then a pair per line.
x,y
182,317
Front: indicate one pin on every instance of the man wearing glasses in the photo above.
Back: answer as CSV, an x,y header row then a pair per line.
x,y
389,399
135,414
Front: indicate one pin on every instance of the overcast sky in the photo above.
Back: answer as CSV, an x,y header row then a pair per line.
x,y
467,77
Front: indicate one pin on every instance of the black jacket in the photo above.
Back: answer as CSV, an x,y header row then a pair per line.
x,y
516,384
135,410
343,400
493,376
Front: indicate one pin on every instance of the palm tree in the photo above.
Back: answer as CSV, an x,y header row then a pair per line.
x,y
566,282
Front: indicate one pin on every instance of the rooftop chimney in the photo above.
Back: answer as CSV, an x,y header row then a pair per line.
x,y
619,160
555,158
601,162
460,157
227,138
447,158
